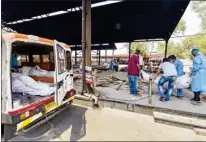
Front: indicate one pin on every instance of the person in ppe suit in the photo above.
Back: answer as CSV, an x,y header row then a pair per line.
x,y
169,75
198,84
179,67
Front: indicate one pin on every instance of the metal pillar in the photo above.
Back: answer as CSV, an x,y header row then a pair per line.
x,y
129,49
99,57
112,53
106,55
86,42
83,44
150,91
75,57
166,45
88,33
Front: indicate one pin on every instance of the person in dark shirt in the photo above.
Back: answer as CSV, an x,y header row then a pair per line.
x,y
116,66
14,61
133,73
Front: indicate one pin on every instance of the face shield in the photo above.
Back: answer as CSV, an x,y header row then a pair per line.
x,y
195,51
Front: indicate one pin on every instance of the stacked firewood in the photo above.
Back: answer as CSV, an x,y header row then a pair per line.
x,y
104,81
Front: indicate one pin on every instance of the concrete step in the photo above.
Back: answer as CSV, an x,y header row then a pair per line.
x,y
167,118
199,131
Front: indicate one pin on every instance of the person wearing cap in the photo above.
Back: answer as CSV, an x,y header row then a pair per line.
x,y
133,72
198,84
169,75
179,67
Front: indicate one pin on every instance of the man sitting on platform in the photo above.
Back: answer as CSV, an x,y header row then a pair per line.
x,y
169,75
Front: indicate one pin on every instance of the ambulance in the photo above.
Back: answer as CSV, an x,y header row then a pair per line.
x,y
23,107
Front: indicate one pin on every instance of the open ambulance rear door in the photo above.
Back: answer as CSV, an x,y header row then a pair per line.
x,y
62,75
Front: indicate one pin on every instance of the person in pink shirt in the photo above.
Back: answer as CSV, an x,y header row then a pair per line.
x,y
133,73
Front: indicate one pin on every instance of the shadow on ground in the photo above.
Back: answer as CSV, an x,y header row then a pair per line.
x,y
72,121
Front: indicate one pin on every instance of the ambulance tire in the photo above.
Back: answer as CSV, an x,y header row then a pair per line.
x,y
9,131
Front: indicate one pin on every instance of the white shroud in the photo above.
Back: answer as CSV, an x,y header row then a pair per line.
x,y
182,82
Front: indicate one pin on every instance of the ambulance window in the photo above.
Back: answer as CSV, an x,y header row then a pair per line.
x,y
68,61
36,59
45,58
61,62
23,58
51,57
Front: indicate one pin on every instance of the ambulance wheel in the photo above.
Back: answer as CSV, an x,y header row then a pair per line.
x,y
9,131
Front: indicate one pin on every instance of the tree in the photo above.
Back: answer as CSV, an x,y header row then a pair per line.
x,y
182,50
173,48
181,27
142,46
197,41
200,8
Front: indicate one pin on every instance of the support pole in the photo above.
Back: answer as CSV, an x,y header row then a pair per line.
x,y
106,55
113,54
75,57
129,50
86,42
99,57
150,91
88,33
166,44
83,44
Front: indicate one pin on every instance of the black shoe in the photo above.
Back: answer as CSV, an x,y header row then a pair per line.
x,y
179,97
161,99
192,99
167,99
197,99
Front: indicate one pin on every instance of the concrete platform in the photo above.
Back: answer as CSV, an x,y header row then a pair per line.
x,y
183,105
194,122
180,105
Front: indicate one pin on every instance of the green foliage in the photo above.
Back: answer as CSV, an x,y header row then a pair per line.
x,y
142,46
200,8
173,48
197,41
182,50
181,27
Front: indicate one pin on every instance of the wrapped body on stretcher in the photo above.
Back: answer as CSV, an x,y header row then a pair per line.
x,y
182,82
23,83
35,71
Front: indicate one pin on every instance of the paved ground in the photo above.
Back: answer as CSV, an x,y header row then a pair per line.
x,y
123,95
79,123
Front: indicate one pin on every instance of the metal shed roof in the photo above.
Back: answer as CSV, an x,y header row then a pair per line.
x,y
120,22
96,47
13,10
